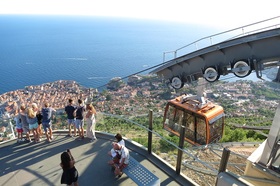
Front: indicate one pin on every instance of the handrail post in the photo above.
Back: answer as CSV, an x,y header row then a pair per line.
x,y
150,132
180,153
224,160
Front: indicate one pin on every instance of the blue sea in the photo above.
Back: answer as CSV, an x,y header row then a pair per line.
x,y
90,50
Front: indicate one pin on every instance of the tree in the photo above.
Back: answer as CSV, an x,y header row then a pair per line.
x,y
108,97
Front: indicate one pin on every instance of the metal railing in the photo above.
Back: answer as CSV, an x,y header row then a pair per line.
x,y
190,161
256,27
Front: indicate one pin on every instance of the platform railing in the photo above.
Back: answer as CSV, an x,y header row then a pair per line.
x,y
148,132
256,27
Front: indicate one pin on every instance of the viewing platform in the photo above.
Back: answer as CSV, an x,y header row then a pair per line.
x,y
35,164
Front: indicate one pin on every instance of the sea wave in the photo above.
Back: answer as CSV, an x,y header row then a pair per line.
x,y
98,77
76,58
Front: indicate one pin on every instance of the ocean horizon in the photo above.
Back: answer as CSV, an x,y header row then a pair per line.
x,y
89,50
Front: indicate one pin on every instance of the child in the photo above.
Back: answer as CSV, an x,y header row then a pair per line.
x,y
70,174
18,127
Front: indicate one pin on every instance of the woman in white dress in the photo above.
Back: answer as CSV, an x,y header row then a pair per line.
x,y
90,121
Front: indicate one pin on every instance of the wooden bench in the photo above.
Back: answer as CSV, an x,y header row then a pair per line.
x,y
139,174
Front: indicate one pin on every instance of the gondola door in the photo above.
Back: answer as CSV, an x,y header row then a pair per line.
x,y
195,129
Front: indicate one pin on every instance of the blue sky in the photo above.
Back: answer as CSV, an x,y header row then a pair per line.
x,y
216,13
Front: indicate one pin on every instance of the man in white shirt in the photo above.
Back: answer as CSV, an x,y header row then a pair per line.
x,y
124,160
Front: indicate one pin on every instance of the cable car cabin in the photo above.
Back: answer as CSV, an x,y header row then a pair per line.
x,y
203,121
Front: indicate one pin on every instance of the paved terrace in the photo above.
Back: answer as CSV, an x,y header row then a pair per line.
x,y
37,164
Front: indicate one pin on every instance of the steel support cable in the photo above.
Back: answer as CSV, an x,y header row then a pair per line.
x,y
231,77
201,170
249,127
226,144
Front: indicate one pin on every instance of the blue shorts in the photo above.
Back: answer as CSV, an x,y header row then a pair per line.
x,y
71,121
47,126
79,123
33,126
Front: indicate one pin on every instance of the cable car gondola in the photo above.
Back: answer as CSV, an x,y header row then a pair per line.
x,y
203,120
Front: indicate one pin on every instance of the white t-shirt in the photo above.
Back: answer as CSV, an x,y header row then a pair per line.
x,y
114,152
125,155
122,143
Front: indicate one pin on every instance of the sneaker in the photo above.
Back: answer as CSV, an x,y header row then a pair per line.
x,y
50,140
93,139
68,135
51,137
18,141
120,175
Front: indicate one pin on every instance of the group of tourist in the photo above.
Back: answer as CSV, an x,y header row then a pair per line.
x,y
76,115
31,119
119,155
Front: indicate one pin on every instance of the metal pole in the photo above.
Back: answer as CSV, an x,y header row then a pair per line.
x,y
12,128
224,160
149,132
180,153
